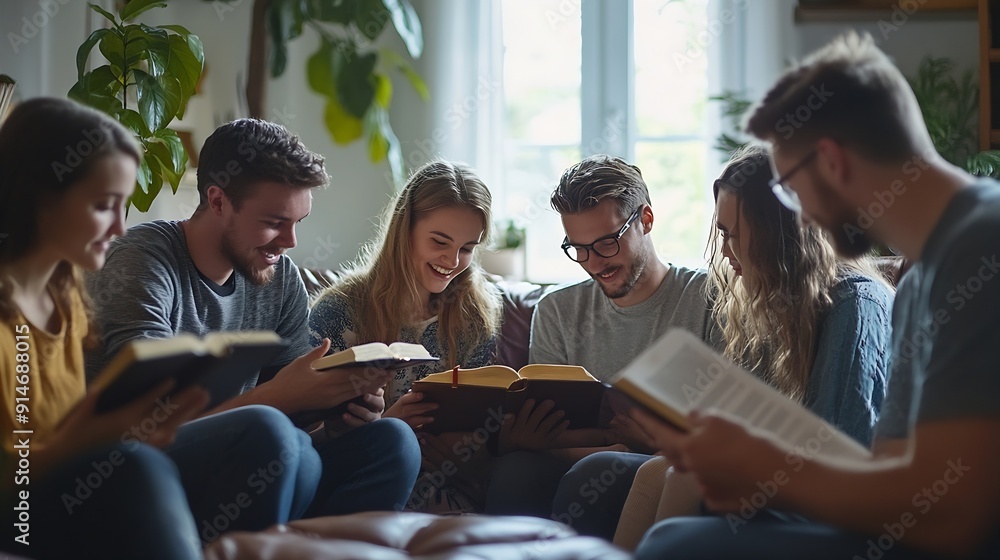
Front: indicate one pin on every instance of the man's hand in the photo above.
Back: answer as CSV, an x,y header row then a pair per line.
x,y
410,409
298,387
533,428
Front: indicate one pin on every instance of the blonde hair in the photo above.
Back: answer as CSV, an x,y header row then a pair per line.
x,y
381,285
770,319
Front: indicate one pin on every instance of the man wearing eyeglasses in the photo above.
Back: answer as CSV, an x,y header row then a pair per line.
x,y
931,488
602,323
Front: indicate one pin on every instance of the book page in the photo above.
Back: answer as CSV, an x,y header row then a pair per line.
x,y
487,376
740,394
555,372
407,350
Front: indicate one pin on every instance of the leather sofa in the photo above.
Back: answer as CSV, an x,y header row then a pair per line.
x,y
396,536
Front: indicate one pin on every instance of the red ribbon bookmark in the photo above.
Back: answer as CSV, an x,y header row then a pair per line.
x,y
454,377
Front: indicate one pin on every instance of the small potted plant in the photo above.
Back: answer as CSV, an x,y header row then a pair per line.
x,y
506,257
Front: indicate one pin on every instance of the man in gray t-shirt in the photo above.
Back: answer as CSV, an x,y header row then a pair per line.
x,y
224,269
602,323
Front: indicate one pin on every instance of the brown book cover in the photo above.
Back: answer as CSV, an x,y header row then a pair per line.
x,y
482,396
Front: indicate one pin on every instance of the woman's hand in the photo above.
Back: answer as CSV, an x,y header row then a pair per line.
x,y
533,428
411,410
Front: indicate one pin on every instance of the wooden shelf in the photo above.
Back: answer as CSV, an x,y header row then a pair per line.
x,y
994,55
868,10
994,137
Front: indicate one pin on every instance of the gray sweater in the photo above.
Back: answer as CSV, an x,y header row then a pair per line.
x,y
150,288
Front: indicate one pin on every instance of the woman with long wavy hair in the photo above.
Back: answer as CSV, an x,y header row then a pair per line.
x,y
418,282
813,326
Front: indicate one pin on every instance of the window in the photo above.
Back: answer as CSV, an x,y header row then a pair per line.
x,y
603,76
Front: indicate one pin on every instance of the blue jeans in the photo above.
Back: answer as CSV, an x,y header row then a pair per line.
x,y
370,468
120,501
591,496
523,483
245,469
768,535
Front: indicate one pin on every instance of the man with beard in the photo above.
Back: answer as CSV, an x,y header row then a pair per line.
x,y
931,489
224,269
630,300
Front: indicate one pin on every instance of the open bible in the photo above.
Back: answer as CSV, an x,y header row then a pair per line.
x,y
222,362
471,398
680,373
376,354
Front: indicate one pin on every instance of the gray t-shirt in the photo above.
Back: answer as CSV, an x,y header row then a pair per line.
x,y
150,288
580,325
945,320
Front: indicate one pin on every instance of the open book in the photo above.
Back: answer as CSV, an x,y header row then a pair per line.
x,y
473,397
222,362
375,354
680,373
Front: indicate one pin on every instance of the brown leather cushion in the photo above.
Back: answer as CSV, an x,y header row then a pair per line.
x,y
392,536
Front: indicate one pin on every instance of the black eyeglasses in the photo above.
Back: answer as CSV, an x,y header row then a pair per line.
x,y
783,192
606,246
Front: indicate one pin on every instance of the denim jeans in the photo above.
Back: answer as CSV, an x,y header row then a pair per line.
x,y
245,469
767,534
591,496
523,483
370,468
120,501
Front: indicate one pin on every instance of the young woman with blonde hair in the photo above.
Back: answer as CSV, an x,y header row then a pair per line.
x,y
419,283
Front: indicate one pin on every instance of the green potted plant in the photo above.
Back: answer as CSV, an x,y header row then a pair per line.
x,y
150,74
347,70
506,256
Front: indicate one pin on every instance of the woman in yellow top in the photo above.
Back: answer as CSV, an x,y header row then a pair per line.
x,y
76,482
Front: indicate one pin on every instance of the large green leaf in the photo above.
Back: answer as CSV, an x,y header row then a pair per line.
x,y
98,89
136,7
140,196
332,11
178,29
319,70
403,66
284,22
407,24
159,99
354,84
113,47
132,120
136,46
344,127
104,13
172,175
383,144
178,155
84,51
184,65
158,46
370,17
383,90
